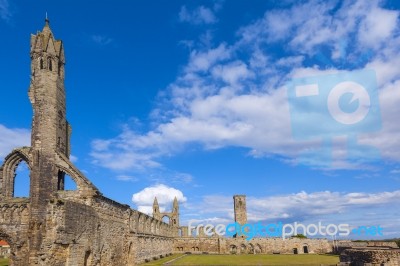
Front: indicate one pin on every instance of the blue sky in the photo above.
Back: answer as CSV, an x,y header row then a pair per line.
x,y
191,99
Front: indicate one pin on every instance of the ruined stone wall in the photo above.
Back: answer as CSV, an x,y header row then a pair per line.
x,y
102,232
14,223
224,245
370,257
341,245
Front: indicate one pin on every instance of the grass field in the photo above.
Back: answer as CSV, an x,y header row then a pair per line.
x,y
305,259
3,262
161,261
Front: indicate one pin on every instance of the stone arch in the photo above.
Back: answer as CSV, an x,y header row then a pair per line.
x,y
166,216
62,180
83,185
65,171
306,249
251,249
243,248
257,249
6,237
88,258
7,171
232,249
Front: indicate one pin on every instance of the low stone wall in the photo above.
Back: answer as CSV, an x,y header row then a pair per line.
x,y
222,245
370,257
341,245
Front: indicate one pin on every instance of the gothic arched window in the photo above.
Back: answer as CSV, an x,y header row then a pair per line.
x,y
49,64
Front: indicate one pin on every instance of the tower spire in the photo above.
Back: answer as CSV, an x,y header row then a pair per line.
x,y
47,21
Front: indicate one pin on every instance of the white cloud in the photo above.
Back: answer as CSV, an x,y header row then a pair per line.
x,y
11,138
73,158
317,204
5,12
101,40
235,95
355,208
127,178
165,196
197,16
378,26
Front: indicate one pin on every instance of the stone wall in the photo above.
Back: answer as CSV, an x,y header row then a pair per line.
x,y
222,245
341,245
370,257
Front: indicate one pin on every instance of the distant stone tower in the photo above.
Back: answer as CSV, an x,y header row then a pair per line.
x,y
173,216
239,203
175,213
156,210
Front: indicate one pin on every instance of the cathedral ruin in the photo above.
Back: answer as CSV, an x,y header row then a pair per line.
x,y
57,227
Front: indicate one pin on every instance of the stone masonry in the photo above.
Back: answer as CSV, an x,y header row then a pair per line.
x,y
57,227
54,226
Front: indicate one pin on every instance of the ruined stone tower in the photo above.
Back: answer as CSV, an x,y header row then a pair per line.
x,y
239,205
50,129
173,215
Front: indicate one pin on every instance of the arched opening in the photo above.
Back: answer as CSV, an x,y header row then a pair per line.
x,y
41,63
295,251
166,219
21,181
243,248
251,249
49,64
258,249
59,69
5,249
305,249
88,258
233,249
7,252
65,182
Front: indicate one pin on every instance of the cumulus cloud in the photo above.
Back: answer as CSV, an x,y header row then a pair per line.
x,y
197,16
165,196
236,95
11,138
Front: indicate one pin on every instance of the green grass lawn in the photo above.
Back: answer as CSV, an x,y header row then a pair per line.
x,y
303,259
160,261
3,262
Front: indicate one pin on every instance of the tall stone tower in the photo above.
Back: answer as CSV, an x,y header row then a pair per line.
x,y
50,129
239,204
